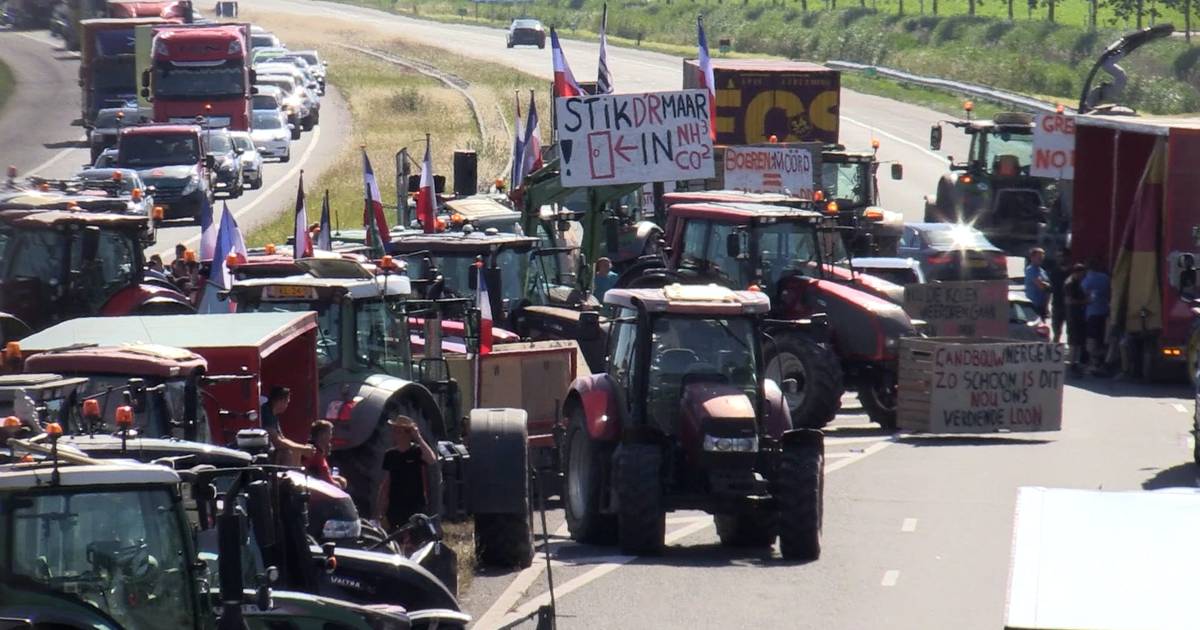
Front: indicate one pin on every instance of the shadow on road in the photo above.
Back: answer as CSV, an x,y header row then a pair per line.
x,y
716,555
66,144
1128,389
857,431
969,440
1180,476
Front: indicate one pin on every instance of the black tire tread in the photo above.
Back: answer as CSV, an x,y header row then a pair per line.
x,y
823,372
596,528
641,517
800,496
503,540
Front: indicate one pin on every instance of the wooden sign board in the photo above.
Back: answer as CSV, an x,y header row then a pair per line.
x,y
977,308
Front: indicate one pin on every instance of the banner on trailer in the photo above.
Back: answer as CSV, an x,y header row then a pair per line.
x,y
613,139
1053,147
770,169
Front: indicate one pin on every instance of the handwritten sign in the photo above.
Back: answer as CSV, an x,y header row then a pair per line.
x,y
1053,147
992,386
977,308
633,138
769,169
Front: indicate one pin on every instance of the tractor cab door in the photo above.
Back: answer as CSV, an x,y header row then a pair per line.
x,y
102,264
623,365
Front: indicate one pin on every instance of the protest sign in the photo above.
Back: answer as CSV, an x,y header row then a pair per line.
x,y
977,308
1053,147
772,169
974,386
633,138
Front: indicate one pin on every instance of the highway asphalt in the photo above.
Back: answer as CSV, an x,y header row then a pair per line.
x,y
917,529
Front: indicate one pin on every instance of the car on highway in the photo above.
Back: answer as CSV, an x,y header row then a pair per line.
x,y
107,126
228,179
250,158
263,55
1024,323
106,159
319,66
952,251
310,75
140,197
263,39
526,32
301,88
293,99
271,98
171,158
272,136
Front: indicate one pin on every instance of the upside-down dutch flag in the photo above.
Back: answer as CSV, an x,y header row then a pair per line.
x,y
229,243
426,205
604,81
564,81
208,230
532,148
484,303
325,235
516,175
373,218
706,78
302,245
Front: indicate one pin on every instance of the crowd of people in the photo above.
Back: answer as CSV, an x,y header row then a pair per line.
x,y
1076,297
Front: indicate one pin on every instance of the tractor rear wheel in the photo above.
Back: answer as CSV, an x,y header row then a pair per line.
x,y
878,398
801,489
748,529
818,375
641,516
585,464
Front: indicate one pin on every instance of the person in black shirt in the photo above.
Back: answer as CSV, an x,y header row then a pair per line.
x,y
287,452
403,491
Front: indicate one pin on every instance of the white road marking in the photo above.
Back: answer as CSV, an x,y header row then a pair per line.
x,y
890,578
512,595
870,450
874,129
1180,408
852,453
832,440
285,178
909,525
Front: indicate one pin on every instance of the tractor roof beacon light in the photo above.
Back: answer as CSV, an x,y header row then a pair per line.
x,y
269,248
969,107
124,418
91,414
54,431
158,213
874,144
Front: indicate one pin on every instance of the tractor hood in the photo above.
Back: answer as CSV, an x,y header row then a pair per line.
x,y
717,410
865,327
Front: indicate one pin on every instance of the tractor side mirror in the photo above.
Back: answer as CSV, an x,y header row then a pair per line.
x,y
91,243
139,398
589,326
733,245
790,386
935,137
262,515
145,80
897,171
145,93
210,161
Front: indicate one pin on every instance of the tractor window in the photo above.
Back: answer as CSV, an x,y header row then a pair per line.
x,y
378,337
35,254
622,354
692,348
329,325
111,271
725,268
694,236
846,182
1008,154
120,551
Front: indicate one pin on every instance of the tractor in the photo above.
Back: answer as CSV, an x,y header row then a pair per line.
x,y
848,179
59,264
827,332
993,190
686,417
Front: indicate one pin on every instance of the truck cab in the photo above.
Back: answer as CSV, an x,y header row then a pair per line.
x,y
172,159
200,71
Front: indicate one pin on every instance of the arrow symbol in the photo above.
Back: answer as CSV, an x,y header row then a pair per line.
x,y
621,148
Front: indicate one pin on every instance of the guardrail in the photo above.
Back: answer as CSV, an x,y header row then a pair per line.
x,y
1009,99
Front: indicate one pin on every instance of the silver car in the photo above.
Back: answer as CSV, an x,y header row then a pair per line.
x,y
251,159
272,136
319,66
139,198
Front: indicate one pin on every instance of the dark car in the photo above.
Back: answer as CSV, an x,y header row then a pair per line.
x,y
107,126
229,176
952,251
526,32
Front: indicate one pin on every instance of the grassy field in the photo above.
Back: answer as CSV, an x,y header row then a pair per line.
x,y
7,83
393,107
1023,55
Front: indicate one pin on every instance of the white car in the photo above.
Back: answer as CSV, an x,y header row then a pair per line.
x,y
272,136
251,159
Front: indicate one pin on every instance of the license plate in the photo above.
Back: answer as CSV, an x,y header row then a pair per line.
x,y
283,292
978,262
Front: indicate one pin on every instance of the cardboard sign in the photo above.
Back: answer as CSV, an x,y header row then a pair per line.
x,y
633,138
992,386
977,308
769,169
1053,147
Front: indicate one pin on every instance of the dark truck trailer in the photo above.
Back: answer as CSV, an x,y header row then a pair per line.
x,y
107,68
759,98
1135,213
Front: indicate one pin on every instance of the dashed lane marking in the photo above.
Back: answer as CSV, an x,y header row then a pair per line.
x,y
908,525
890,578
1180,408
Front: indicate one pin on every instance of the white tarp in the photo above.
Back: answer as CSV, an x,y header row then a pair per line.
x,y
1053,146
769,169
633,138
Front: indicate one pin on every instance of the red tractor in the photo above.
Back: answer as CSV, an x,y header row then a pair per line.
x,y
59,264
685,417
828,331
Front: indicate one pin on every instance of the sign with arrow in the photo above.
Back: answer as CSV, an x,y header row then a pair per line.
x,y
633,138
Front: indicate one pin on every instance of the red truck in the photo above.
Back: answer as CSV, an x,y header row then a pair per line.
x,y
201,71
1134,211
165,9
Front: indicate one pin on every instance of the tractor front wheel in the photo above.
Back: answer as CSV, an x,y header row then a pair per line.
x,y
801,489
818,375
641,515
878,398
584,466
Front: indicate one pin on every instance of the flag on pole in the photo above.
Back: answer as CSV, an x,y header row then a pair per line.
x,y
517,175
564,81
706,78
533,140
373,219
325,236
604,82
229,243
484,303
426,205
302,246
208,230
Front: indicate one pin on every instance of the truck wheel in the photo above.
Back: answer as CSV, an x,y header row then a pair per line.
x,y
584,467
750,529
503,540
641,516
878,399
801,487
818,374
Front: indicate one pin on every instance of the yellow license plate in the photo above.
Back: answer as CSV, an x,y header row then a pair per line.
x,y
284,292
978,263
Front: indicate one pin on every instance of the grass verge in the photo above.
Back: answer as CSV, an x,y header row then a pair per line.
x,y
7,83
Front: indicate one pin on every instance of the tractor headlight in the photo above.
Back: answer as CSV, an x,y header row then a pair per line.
x,y
731,445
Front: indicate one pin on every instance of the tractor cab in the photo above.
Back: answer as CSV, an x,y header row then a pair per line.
x,y
849,179
60,264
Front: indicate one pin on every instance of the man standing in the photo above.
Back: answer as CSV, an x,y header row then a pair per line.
x,y
287,452
1058,302
403,491
1097,286
605,278
1037,283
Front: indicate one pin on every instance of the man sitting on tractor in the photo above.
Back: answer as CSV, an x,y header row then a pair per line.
x,y
287,452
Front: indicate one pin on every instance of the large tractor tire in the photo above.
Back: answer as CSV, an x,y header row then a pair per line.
x,y
801,489
641,515
748,529
879,399
498,485
362,466
818,374
503,540
586,465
